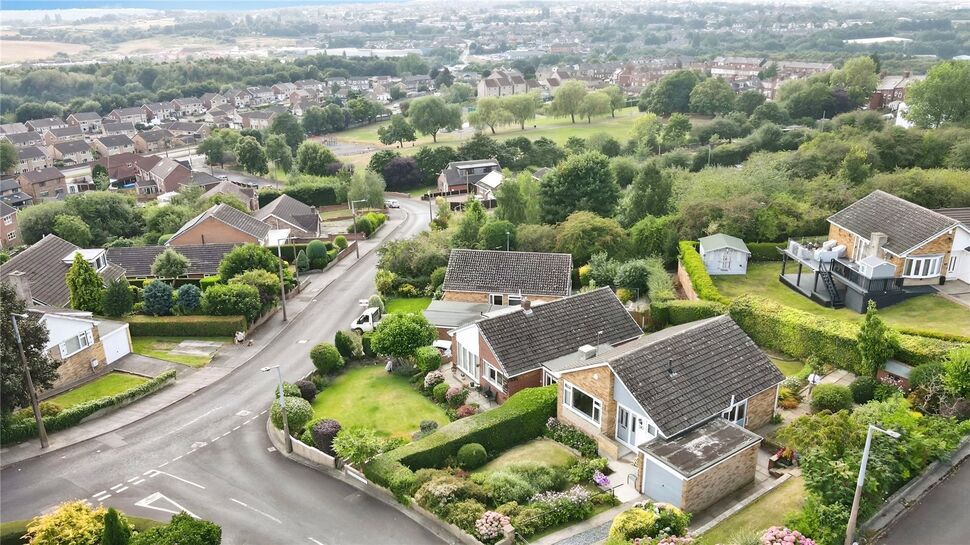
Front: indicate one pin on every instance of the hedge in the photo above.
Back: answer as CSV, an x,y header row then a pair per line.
x,y
310,193
290,251
15,433
765,251
185,326
665,313
694,267
801,334
521,418
179,282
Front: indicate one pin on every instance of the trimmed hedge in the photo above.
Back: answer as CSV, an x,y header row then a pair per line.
x,y
521,418
765,251
666,313
15,433
185,326
310,193
801,334
693,265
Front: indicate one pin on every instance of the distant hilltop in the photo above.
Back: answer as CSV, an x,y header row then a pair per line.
x,y
187,5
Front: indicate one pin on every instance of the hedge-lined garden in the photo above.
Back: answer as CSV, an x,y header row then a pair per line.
x,y
15,430
185,326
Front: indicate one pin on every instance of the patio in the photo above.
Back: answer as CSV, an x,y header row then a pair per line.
x,y
454,377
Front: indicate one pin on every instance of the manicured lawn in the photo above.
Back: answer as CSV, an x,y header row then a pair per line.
x,y
371,397
931,311
161,348
787,366
406,305
768,510
108,385
545,451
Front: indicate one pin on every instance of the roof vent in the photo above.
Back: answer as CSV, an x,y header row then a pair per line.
x,y
670,368
587,352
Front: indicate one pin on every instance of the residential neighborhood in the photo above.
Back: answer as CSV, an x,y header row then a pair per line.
x,y
551,273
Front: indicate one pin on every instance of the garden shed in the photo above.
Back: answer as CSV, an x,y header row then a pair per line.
x,y
724,254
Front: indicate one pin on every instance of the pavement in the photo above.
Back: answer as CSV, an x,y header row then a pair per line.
x,y
940,518
209,455
956,291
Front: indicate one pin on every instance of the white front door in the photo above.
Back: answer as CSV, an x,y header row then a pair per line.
x,y
725,260
627,425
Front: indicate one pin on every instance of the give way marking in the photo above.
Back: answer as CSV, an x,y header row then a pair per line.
x,y
158,496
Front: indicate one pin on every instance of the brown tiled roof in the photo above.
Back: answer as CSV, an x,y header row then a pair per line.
x,y
291,211
230,216
523,341
44,267
42,175
495,271
137,261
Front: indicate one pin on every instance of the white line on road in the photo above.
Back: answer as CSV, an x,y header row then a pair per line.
x,y
271,517
193,450
103,498
196,419
163,465
139,481
314,541
177,458
228,432
117,486
133,479
99,493
237,427
157,472
148,500
214,439
120,490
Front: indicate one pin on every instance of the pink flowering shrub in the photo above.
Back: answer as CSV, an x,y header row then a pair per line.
x,y
455,396
669,540
432,379
466,411
783,536
489,527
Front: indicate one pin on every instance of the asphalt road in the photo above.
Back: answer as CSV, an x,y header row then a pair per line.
x,y
209,454
940,518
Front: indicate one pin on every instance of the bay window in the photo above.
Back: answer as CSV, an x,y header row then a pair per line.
x,y
922,267
582,403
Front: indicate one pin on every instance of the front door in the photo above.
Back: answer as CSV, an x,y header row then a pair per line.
x,y
725,260
627,424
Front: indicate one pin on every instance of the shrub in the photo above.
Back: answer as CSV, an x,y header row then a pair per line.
x,y
504,486
265,282
47,408
340,242
365,225
472,456
345,345
764,251
490,526
440,391
427,359
298,413
433,379
660,286
783,536
324,431
316,253
676,312
465,513
289,390
456,396
366,345
207,282
583,470
632,524
308,390
182,530
863,389
185,326
376,301
158,298
438,277
572,437
427,427
465,411
831,397
540,476
358,445
189,297
521,418
232,300
326,358
73,522
694,267
925,374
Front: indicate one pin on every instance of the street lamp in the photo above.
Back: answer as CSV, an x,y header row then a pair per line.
x,y
854,514
41,430
353,210
279,254
508,237
286,425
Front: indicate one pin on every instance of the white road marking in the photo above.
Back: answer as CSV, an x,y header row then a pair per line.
x,y
302,341
314,541
214,439
163,465
117,486
191,451
199,444
237,427
243,412
267,515
271,449
139,481
133,479
225,434
99,493
120,490
177,458
194,420
103,498
156,472
147,501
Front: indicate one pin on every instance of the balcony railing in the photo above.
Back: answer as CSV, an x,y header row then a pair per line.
x,y
843,269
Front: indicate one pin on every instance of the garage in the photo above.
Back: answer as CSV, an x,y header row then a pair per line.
x,y
115,339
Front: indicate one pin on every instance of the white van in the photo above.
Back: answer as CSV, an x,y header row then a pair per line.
x,y
367,321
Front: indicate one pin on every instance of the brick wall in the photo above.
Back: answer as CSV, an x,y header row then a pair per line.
x,y
482,297
532,379
77,367
597,382
704,489
211,231
761,407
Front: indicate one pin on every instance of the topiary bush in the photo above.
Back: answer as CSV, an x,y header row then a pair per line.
x,y
316,252
298,413
340,242
189,297
158,298
427,359
472,456
326,358
345,345
308,390
863,389
440,391
323,433
831,397
676,312
438,277
632,524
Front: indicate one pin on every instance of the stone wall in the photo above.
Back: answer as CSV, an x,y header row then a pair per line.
x,y
761,407
844,238
702,490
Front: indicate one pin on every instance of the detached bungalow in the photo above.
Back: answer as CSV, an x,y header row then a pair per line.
x,y
83,346
222,224
285,212
505,278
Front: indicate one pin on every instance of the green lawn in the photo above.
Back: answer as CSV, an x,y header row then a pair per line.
x,y
369,396
108,385
931,311
406,305
786,365
545,451
160,348
768,510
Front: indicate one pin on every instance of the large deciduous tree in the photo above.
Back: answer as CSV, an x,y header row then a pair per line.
x,y
170,264
279,152
857,78
670,94
251,156
942,96
400,335
522,108
287,125
401,173
649,194
581,182
517,199
597,103
489,112
430,114
367,185
33,335
397,131
568,100
72,229
712,96
584,233
314,158
8,156
617,98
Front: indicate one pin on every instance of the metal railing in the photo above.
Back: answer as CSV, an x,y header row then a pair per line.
x,y
868,285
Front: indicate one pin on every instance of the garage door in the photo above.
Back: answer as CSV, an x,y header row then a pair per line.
x,y
659,484
116,344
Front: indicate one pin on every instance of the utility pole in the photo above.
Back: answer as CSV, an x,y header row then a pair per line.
x,y
288,444
279,254
353,210
35,405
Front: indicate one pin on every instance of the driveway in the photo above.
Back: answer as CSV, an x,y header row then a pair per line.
x,y
956,291
940,518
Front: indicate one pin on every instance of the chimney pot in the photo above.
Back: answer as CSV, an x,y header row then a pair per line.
x,y
526,304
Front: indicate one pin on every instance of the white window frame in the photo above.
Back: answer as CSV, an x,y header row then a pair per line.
x,y
733,410
861,247
597,409
468,363
952,265
84,339
923,266
515,300
548,379
488,368
492,296
8,220
11,235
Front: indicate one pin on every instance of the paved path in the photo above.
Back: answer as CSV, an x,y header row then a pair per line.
x,y
940,518
209,454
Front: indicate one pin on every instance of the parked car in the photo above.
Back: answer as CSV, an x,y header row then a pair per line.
x,y
367,321
392,203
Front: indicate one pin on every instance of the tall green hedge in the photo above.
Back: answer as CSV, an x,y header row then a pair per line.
x,y
311,193
704,287
666,313
521,418
765,251
21,431
185,326
802,334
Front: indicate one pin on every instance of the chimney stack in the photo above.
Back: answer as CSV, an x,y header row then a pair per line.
x,y
876,241
526,306
21,286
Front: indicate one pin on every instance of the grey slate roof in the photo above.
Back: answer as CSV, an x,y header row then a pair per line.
x,y
6,209
960,214
115,140
702,447
522,342
712,360
137,261
906,224
230,216
291,211
43,265
495,271
451,314
72,147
